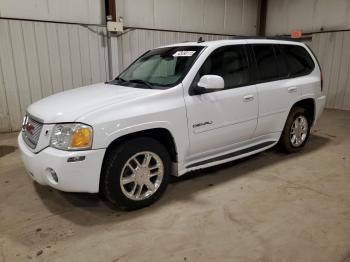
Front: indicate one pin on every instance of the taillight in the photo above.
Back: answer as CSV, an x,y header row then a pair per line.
x,y
321,75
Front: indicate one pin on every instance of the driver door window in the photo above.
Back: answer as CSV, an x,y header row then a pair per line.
x,y
229,62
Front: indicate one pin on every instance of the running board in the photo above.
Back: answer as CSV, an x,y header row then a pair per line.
x,y
233,154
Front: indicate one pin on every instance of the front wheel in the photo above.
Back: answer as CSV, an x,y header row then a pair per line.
x,y
296,130
136,173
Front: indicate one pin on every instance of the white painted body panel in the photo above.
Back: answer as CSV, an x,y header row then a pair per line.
x,y
73,177
70,105
232,119
115,111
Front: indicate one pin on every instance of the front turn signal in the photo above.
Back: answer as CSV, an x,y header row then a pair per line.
x,y
81,138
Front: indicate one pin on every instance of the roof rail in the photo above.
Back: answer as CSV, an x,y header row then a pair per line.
x,y
278,37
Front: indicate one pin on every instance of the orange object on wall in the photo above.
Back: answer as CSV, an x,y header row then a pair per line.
x,y
296,34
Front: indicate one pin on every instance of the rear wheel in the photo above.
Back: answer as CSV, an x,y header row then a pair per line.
x,y
136,173
296,130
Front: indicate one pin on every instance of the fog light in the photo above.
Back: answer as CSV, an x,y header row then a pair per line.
x,y
52,176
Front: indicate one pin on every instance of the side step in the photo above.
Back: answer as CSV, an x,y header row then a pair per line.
x,y
233,154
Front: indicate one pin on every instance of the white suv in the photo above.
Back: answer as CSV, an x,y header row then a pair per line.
x,y
176,109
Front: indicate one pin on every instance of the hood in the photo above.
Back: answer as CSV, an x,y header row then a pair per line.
x,y
70,105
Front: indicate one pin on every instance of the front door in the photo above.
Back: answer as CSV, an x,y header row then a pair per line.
x,y
218,120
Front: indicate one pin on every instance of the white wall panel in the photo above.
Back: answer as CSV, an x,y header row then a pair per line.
x,y
283,16
54,56
32,60
43,58
73,36
38,59
334,55
207,16
167,19
74,11
20,64
9,74
4,114
85,55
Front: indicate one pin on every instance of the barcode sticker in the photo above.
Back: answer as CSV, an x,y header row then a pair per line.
x,y
184,53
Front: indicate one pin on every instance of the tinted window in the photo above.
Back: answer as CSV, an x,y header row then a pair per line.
x,y
281,63
266,62
298,60
229,62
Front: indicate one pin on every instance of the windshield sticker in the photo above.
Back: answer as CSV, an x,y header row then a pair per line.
x,y
184,53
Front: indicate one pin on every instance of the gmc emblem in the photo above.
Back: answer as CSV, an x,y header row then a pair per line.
x,y
29,127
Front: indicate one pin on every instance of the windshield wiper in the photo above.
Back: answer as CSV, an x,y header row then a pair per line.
x,y
140,81
137,81
121,79
113,82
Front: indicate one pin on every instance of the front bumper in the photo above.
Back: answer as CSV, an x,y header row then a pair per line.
x,y
80,176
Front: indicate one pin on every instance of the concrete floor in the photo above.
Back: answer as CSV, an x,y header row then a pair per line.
x,y
269,207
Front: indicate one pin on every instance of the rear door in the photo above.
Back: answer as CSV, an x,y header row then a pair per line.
x,y
277,91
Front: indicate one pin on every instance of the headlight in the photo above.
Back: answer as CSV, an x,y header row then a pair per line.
x,y
71,137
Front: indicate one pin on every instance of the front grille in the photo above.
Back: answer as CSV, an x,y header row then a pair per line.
x,y
31,131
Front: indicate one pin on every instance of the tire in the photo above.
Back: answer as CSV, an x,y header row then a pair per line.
x,y
285,143
137,153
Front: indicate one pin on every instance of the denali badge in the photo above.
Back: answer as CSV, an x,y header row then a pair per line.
x,y
202,124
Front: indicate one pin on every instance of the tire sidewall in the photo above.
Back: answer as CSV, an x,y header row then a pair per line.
x,y
113,172
285,139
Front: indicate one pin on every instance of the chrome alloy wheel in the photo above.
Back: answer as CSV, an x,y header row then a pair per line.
x,y
298,131
142,175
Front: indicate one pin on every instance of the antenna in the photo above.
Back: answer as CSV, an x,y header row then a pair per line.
x,y
200,40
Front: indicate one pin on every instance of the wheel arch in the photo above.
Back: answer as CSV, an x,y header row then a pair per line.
x,y
309,105
162,135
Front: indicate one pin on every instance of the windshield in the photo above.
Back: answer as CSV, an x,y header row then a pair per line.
x,y
159,68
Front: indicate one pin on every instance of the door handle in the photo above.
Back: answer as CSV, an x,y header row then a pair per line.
x,y
292,89
248,98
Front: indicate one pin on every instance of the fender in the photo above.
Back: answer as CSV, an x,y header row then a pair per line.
x,y
180,140
303,98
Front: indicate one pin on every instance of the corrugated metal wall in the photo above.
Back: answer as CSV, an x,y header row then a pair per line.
x,y
73,11
205,16
283,16
332,50
38,59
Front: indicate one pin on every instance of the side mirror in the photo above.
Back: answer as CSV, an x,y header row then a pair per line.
x,y
209,83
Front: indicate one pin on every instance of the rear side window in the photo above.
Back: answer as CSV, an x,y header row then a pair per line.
x,y
298,60
266,62
281,63
229,62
